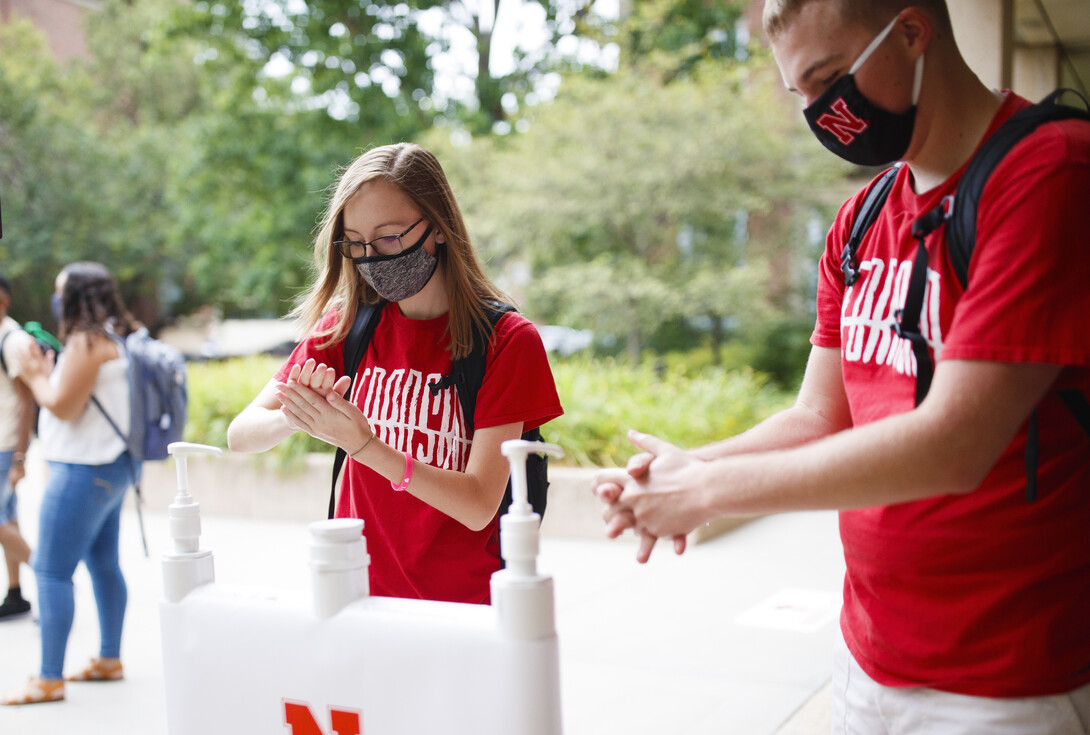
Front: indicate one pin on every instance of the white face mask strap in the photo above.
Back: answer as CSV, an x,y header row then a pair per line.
x,y
917,82
873,45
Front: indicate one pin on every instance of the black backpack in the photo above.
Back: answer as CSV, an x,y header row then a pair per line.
x,y
466,375
959,212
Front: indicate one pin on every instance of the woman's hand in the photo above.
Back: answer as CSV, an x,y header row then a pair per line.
x,y
317,376
311,401
31,362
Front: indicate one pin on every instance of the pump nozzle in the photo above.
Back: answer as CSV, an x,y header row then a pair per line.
x,y
519,527
516,451
181,450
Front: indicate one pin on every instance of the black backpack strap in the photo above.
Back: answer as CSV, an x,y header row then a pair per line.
x,y
1078,405
1033,456
467,375
864,218
3,362
906,324
961,229
355,347
134,474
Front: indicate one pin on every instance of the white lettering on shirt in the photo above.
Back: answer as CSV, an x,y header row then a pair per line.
x,y
399,407
867,315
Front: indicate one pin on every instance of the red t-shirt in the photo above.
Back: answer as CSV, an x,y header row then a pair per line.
x,y
982,594
417,551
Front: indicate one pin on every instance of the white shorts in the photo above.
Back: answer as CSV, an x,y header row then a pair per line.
x,y
862,706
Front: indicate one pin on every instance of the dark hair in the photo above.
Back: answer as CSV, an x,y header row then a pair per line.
x,y
5,284
90,301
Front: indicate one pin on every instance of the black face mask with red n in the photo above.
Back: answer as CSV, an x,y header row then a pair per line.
x,y
850,126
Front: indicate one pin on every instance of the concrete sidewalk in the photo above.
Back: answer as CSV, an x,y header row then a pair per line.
x,y
733,637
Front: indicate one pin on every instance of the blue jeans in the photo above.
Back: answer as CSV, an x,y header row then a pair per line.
x,y
80,520
7,492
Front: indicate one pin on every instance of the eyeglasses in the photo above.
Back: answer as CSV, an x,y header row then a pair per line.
x,y
385,245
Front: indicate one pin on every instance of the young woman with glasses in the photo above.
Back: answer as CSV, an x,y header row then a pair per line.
x,y
427,489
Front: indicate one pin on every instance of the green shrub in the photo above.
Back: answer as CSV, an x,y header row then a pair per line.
x,y
783,352
604,398
219,390
687,403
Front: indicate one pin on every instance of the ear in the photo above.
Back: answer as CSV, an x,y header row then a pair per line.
x,y
918,29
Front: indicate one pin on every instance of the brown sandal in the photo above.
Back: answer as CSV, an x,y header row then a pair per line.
x,y
100,669
36,691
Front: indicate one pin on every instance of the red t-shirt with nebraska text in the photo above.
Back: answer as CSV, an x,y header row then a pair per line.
x,y
985,593
417,551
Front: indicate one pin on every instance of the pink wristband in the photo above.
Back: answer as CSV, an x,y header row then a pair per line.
x,y
408,474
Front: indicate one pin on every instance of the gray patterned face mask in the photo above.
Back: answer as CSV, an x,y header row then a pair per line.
x,y
401,275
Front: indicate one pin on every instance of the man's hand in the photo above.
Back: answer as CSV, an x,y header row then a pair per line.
x,y
649,495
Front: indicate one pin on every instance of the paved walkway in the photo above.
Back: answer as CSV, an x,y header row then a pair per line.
x,y
733,637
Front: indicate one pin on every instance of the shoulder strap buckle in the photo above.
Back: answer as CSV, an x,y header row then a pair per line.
x,y
931,221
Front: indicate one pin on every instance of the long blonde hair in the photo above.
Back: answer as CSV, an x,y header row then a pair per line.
x,y
416,171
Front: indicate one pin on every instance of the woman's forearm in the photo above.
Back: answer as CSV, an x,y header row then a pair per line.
x,y
257,429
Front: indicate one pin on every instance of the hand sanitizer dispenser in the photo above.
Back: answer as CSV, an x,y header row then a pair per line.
x,y
344,662
186,566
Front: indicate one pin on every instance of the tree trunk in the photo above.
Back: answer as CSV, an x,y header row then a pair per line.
x,y
488,91
717,339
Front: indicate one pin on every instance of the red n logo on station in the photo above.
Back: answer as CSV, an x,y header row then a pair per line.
x,y
299,718
843,124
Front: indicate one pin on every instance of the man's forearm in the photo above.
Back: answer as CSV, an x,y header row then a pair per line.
x,y
947,445
791,427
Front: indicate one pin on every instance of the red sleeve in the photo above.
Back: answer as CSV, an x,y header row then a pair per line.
x,y
1028,298
518,383
308,348
830,286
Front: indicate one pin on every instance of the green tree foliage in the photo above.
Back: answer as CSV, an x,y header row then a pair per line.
x,y
74,186
638,201
674,37
673,189
373,63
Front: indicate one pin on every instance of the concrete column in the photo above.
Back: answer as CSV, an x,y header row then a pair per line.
x,y
984,30
1036,71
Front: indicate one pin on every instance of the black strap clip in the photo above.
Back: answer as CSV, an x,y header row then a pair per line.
x,y
897,326
849,267
445,382
930,222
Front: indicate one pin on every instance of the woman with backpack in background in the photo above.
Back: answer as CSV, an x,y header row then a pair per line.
x,y
427,487
89,472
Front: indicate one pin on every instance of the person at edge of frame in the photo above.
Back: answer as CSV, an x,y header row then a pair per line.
x,y
965,606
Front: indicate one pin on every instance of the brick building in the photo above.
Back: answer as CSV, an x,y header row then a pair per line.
x,y
60,20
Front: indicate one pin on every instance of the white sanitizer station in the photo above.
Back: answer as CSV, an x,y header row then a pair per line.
x,y
239,660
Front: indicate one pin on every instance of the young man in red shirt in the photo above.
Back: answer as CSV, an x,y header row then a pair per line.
x,y
962,600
